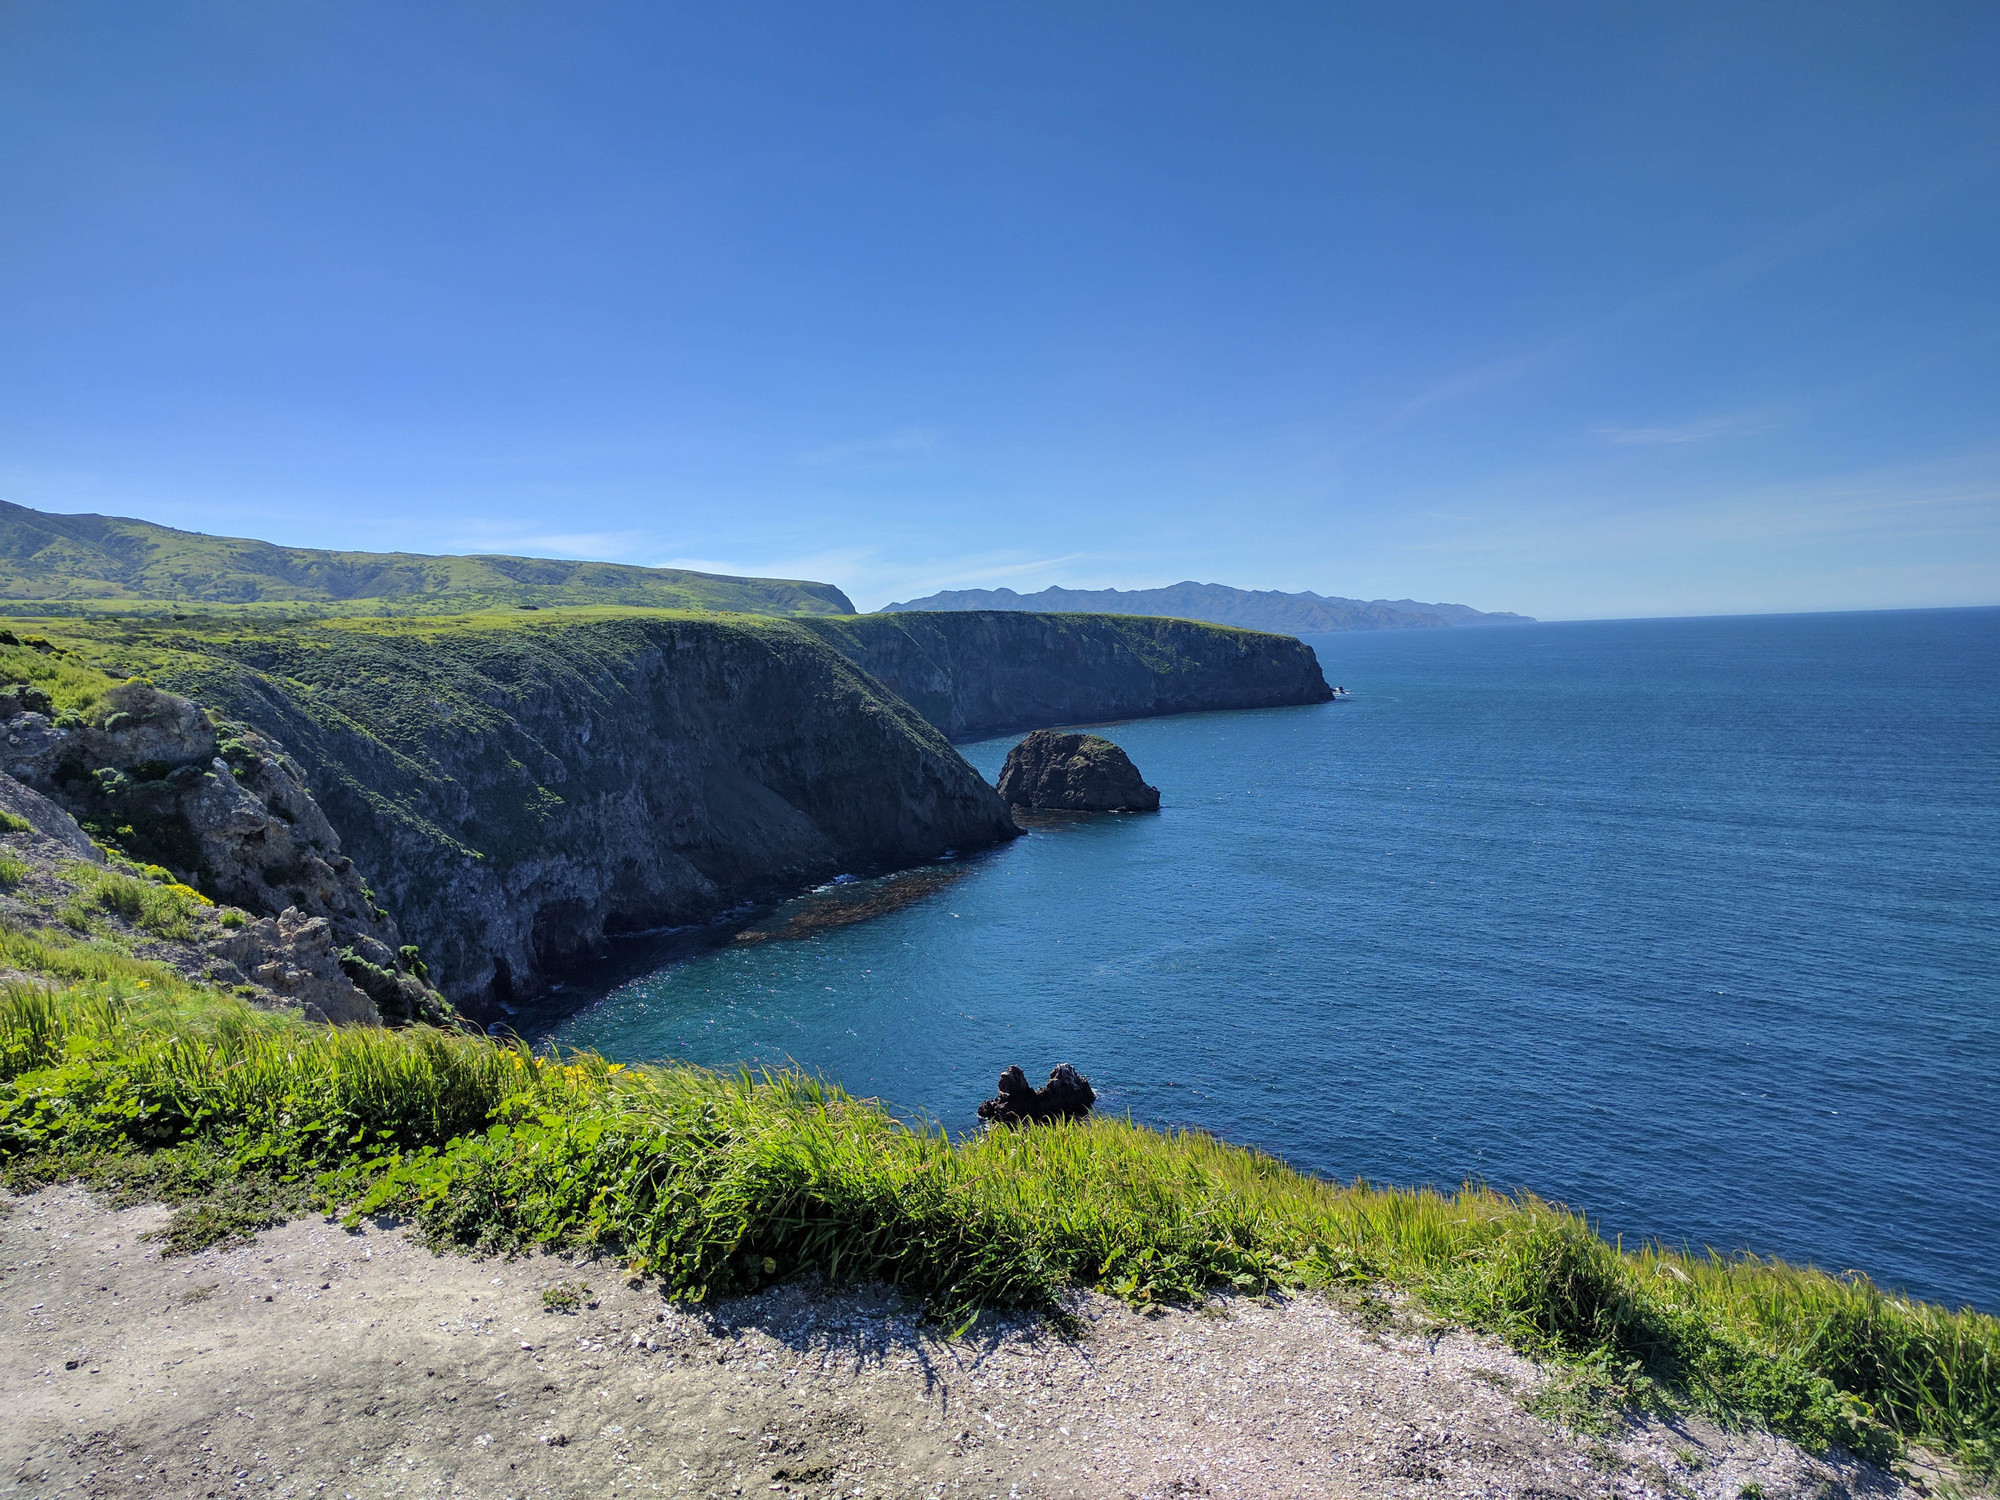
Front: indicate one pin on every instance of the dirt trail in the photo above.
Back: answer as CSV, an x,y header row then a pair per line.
x,y
322,1363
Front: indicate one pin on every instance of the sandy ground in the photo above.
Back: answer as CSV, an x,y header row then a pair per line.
x,y
322,1363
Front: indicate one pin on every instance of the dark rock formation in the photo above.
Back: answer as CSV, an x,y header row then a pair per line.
x,y
25,698
1066,1096
984,673
1056,772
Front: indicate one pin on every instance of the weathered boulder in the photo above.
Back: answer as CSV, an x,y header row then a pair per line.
x,y
1066,1096
1060,772
297,958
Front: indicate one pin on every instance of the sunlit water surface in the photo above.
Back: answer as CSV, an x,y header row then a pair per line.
x,y
1692,924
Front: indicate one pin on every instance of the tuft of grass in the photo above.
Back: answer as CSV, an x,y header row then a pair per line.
x,y
13,870
151,900
719,1184
11,822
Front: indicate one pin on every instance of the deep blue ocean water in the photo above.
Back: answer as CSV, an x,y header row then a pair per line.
x,y
1691,924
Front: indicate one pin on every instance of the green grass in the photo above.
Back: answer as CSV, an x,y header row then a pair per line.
x,y
157,905
14,823
13,870
30,655
718,1185
103,562
64,958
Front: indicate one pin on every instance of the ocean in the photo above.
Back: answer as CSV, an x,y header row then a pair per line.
x,y
1693,925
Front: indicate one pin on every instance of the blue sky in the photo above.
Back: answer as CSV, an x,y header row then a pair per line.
x,y
1581,310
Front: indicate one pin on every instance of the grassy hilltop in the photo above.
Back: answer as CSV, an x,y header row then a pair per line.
x,y
89,563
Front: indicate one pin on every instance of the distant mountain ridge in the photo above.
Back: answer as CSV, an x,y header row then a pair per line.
x,y
53,558
1218,604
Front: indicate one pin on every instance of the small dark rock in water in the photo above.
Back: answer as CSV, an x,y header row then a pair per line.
x,y
1074,773
1066,1096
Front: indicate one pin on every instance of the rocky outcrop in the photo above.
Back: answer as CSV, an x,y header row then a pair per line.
x,y
520,791
1055,772
230,815
1066,1096
298,959
981,673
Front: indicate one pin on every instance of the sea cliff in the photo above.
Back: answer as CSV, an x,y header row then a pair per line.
x,y
980,673
518,787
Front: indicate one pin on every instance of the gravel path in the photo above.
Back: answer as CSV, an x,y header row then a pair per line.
x,y
322,1363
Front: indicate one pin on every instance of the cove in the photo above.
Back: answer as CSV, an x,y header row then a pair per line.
x,y
1692,924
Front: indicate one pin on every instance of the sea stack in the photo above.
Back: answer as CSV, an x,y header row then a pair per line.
x,y
1056,772
1066,1096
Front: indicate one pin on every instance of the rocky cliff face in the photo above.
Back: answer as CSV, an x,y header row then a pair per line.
x,y
519,789
980,673
224,820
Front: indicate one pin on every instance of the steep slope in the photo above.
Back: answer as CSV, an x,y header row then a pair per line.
x,y
56,557
1249,609
517,786
976,674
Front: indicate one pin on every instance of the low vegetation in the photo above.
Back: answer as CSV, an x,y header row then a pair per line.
x,y
717,1185
112,562
148,897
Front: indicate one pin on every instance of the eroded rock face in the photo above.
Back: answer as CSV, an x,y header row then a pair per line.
x,y
48,821
1066,1096
1056,772
231,815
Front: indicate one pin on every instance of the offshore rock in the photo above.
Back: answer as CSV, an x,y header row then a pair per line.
x,y
1055,772
1066,1096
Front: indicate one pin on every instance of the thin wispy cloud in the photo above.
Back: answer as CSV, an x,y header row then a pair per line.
x,y
909,440
1887,202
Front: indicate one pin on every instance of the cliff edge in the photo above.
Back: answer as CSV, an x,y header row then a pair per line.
x,y
980,673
